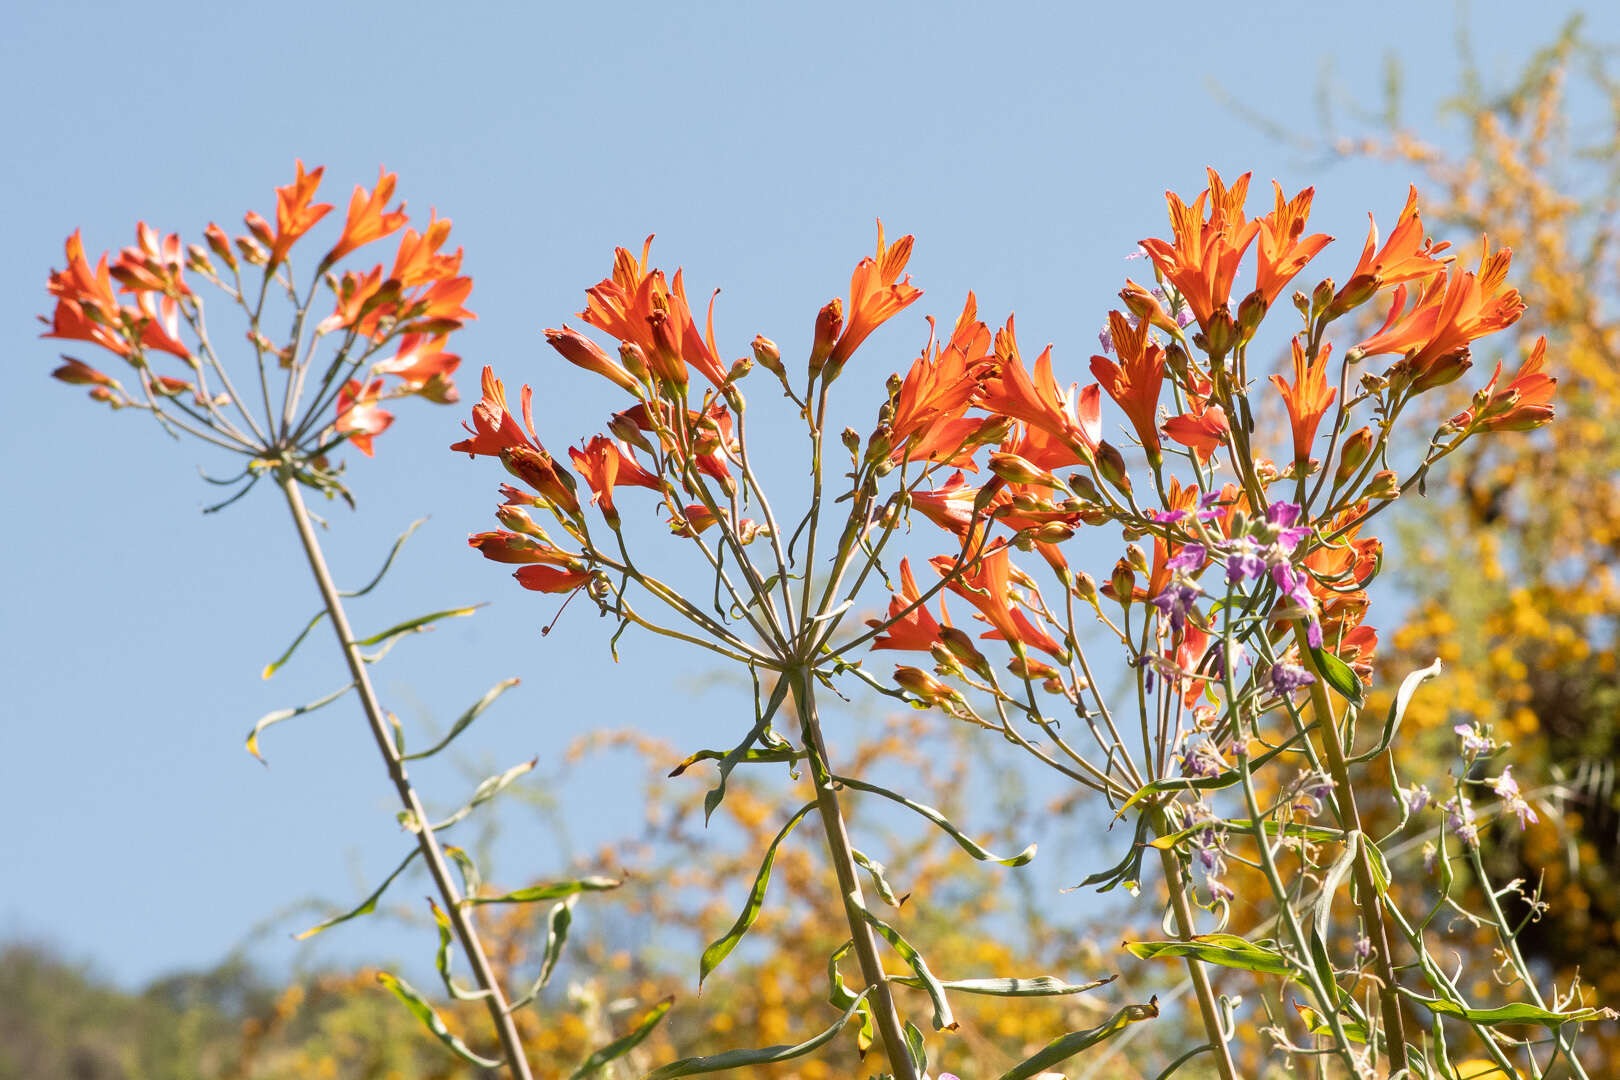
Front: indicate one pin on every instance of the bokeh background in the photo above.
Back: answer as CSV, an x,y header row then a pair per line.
x,y
1027,147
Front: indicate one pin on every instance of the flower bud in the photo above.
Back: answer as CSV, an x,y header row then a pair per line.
x,y
1111,463
851,439
1053,532
665,361
1302,303
1355,450
768,356
220,243
829,324
1123,582
537,469
1221,334
1137,558
927,688
1144,305
197,259
1081,485
581,351
260,229
1085,588
1250,312
1017,470
1384,485
626,430
634,361
1357,291
1321,297
518,520
960,646
879,445
739,370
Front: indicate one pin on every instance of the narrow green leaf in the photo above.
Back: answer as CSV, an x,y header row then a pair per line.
x,y
416,625
1040,986
842,997
962,840
1066,1046
471,881
1333,879
399,542
943,1020
880,880
485,791
1224,950
466,718
1337,674
770,1055
762,724
287,714
554,890
1516,1013
1397,708
753,756
367,906
721,948
622,1046
434,1022
1355,1032
276,665
915,1048
441,958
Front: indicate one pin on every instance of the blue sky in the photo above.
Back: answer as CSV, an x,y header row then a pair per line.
x,y
1027,146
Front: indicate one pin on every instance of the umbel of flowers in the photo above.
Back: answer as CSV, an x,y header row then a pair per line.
x,y
1237,609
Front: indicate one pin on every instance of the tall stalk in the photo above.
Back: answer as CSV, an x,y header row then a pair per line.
x,y
842,857
466,932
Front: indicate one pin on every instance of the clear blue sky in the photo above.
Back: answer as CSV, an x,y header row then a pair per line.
x,y
1028,146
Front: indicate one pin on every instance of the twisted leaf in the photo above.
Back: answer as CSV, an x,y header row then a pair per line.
x,y
434,1022
367,906
619,1047
963,841
721,948
287,714
466,718
554,890
1066,1046
770,1055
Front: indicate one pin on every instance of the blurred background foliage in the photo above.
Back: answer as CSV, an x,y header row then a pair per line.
x,y
1506,572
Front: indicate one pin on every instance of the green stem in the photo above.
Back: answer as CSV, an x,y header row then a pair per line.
x,y
842,856
506,1029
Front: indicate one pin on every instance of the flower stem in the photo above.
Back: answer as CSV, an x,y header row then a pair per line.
x,y
505,1028
1367,898
1175,879
843,862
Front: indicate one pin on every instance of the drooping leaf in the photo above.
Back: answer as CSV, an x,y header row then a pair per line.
x,y
1223,950
441,958
471,880
943,1020
552,890
879,875
287,714
562,916
963,841
415,626
769,1055
1517,1013
756,755
622,1046
1066,1046
842,997
434,1022
367,906
1337,674
762,724
276,665
465,719
1040,986
721,948
393,552
1397,708
485,791
1333,879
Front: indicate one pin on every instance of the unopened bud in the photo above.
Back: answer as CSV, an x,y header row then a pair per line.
x,y
1081,485
1355,450
518,520
1123,582
1085,588
627,430
197,259
829,324
1144,305
1302,303
768,356
1221,334
1321,297
582,352
1111,463
879,445
1018,470
1250,312
260,228
220,243
922,684
740,369
1357,291
851,439
1054,532
960,645
665,361
1384,485
252,251
1137,558
634,361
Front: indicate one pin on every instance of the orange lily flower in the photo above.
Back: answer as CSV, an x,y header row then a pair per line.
x,y
874,298
1405,256
1203,260
605,465
1449,313
294,214
358,414
1037,401
930,421
86,309
636,307
1308,398
1282,251
950,506
510,547
424,367
1202,430
989,588
551,579
494,428
418,261
79,373
1136,381
915,631
367,221
1524,403
581,351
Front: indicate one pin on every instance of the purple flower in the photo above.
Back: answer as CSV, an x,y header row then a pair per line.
x,y
1218,659
1190,557
1177,600
1296,587
1106,337
1203,760
1475,742
1242,560
1363,948
1507,789
1460,820
1415,798
1168,517
1282,514
1286,678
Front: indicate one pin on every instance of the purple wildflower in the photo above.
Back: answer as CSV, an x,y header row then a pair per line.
x,y
1507,789
1191,557
1177,600
1415,798
1460,820
1106,337
1475,742
1168,517
1286,678
1242,560
1294,585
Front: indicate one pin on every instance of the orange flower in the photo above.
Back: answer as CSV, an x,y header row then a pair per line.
x,y
78,373
637,308
510,547
1011,392
424,367
86,309
1308,398
367,220
1203,259
930,421
989,589
605,465
551,579
950,506
1450,312
418,261
581,351
1136,381
1203,430
358,414
915,631
294,214
1405,256
1524,403
494,429
1282,251
874,298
